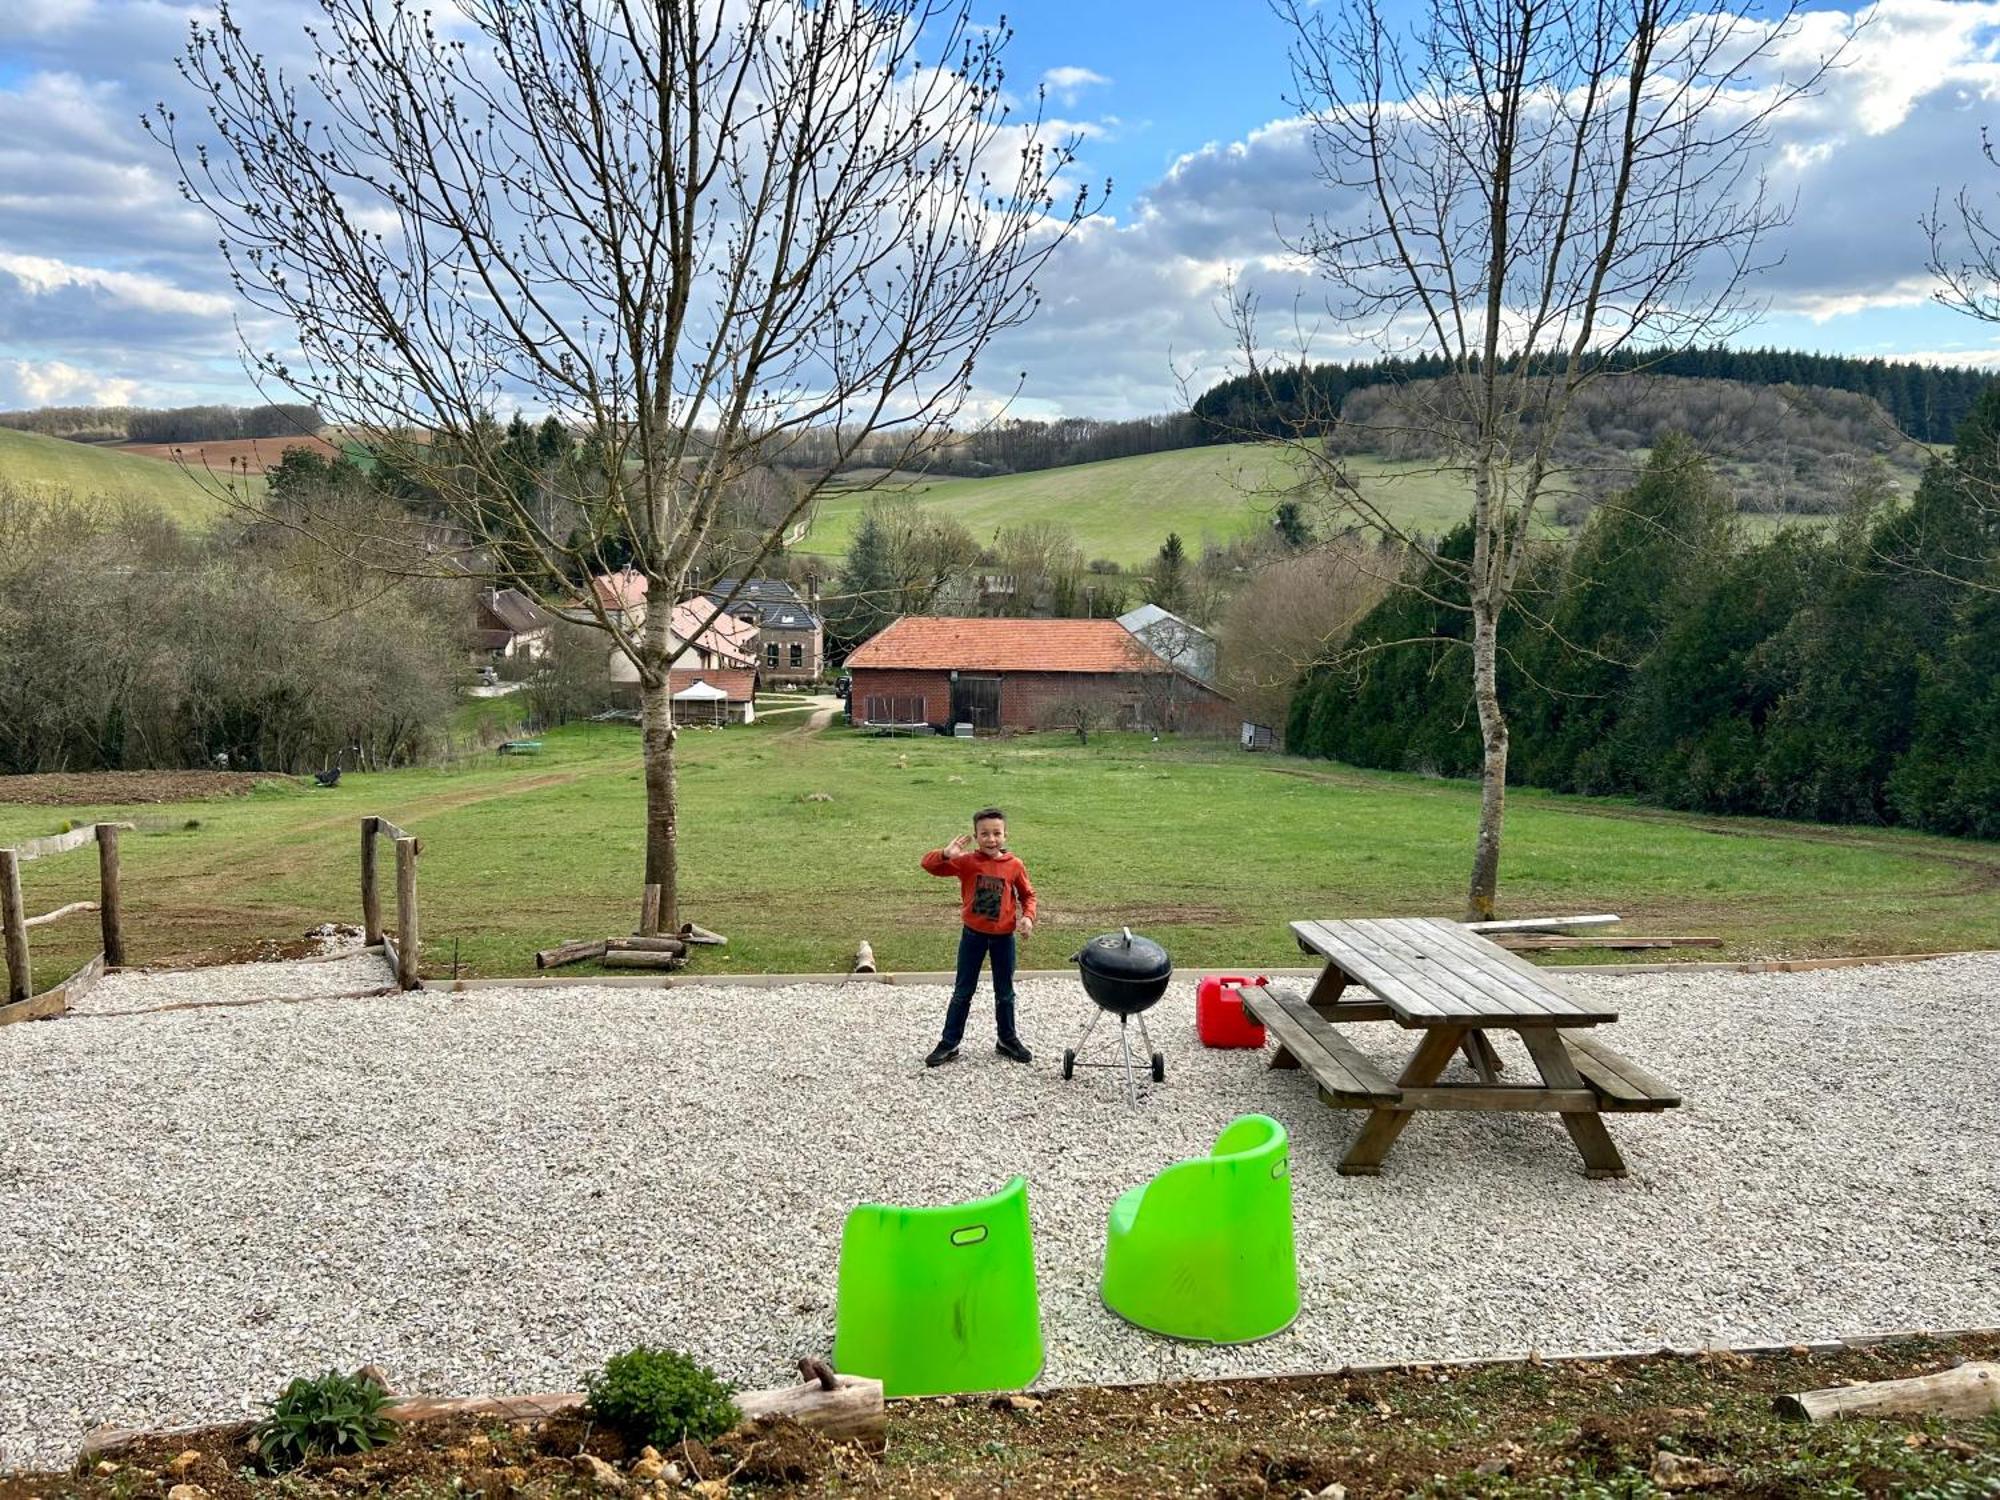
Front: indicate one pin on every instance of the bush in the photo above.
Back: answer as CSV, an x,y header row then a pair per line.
x,y
335,1413
660,1396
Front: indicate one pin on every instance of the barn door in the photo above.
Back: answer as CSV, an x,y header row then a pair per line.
x,y
976,701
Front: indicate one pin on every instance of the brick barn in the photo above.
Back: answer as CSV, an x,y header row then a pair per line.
x,y
1013,674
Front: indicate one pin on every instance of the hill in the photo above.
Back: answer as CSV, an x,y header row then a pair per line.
x,y
1123,508
47,466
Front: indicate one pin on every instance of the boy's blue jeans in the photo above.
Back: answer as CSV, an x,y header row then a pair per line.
x,y
973,947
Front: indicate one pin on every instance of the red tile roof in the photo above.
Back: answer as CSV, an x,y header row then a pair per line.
x,y
1007,646
741,686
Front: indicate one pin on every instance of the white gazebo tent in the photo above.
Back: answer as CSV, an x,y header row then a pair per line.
x,y
700,703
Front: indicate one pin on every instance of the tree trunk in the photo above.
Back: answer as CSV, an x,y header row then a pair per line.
x,y
1493,766
658,736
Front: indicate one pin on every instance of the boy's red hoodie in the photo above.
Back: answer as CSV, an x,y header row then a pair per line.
x,y
986,886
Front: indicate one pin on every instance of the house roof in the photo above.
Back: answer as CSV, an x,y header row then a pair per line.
x,y
726,636
924,643
511,610
776,603
741,686
625,589
1148,615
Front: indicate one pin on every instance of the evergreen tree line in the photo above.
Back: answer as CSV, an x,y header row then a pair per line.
x,y
1926,401
1017,446
1846,674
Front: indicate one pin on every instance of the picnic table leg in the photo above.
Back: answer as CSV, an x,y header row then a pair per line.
x,y
1585,1127
1485,1061
1364,1157
1327,988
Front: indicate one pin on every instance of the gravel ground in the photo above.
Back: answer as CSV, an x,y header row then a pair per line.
x,y
492,1192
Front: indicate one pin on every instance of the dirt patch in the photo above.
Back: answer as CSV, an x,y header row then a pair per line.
x,y
238,455
106,788
1700,1424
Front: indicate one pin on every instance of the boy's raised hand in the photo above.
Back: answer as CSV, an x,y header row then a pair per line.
x,y
958,846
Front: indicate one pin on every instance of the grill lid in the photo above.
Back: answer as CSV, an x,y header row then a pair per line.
x,y
1121,955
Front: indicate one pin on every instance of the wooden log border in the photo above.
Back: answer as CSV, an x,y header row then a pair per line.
x,y
56,1001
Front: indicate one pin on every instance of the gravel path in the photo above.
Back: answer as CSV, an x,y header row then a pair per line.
x,y
494,1191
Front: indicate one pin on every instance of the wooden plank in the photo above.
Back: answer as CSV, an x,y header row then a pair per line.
x,y
1530,943
1414,965
59,913
1478,995
1624,1085
1357,960
1540,924
1500,959
1335,1062
390,831
1517,1098
371,890
55,1002
1530,994
55,843
110,917
14,927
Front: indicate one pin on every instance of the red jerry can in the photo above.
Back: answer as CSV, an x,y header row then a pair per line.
x,y
1219,1016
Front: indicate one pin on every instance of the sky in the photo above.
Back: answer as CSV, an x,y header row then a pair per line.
x,y
112,290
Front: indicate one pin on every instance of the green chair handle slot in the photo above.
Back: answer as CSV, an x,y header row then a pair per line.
x,y
968,1234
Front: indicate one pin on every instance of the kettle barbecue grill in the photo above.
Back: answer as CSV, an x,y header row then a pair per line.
x,y
1124,976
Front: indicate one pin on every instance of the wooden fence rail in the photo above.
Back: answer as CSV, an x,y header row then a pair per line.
x,y
22,1003
403,950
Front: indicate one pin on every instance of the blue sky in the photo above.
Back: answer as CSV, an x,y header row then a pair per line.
x,y
111,290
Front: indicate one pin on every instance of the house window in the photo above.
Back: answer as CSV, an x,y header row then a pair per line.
x,y
798,654
770,653
894,708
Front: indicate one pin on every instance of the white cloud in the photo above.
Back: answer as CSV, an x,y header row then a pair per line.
x,y
1067,84
40,276
54,383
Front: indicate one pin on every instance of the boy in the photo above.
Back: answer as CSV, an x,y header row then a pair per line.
x,y
996,901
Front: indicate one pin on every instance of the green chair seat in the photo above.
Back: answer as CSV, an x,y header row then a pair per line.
x,y
1204,1251
940,1301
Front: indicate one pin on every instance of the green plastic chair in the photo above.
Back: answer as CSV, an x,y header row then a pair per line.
x,y
940,1301
1204,1251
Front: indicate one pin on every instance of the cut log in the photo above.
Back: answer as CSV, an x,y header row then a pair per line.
x,y
569,953
632,960
1541,924
645,945
851,1412
649,911
701,935
110,911
1971,1390
864,958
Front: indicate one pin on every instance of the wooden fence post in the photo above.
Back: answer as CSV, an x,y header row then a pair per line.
x,y
371,896
14,919
109,917
407,940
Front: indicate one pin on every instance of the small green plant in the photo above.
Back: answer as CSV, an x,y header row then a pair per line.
x,y
334,1413
660,1396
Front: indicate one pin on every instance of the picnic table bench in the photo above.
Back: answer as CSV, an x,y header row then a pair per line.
x,y
1452,985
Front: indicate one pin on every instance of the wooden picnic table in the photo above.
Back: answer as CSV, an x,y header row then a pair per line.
x,y
1452,986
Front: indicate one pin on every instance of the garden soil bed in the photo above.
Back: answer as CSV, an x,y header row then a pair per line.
x,y
1626,1427
114,788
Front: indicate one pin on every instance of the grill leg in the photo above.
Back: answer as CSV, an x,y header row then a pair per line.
x,y
1125,1046
1088,1026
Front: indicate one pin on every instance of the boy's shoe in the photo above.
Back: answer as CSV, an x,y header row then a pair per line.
x,y
1013,1051
940,1055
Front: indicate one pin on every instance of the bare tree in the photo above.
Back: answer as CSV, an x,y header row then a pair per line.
x,y
1523,190
698,234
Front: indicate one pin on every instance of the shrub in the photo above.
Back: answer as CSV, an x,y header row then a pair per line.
x,y
660,1396
335,1413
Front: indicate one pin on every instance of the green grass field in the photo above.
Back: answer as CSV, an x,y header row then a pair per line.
x,y
1123,508
50,467
1204,847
